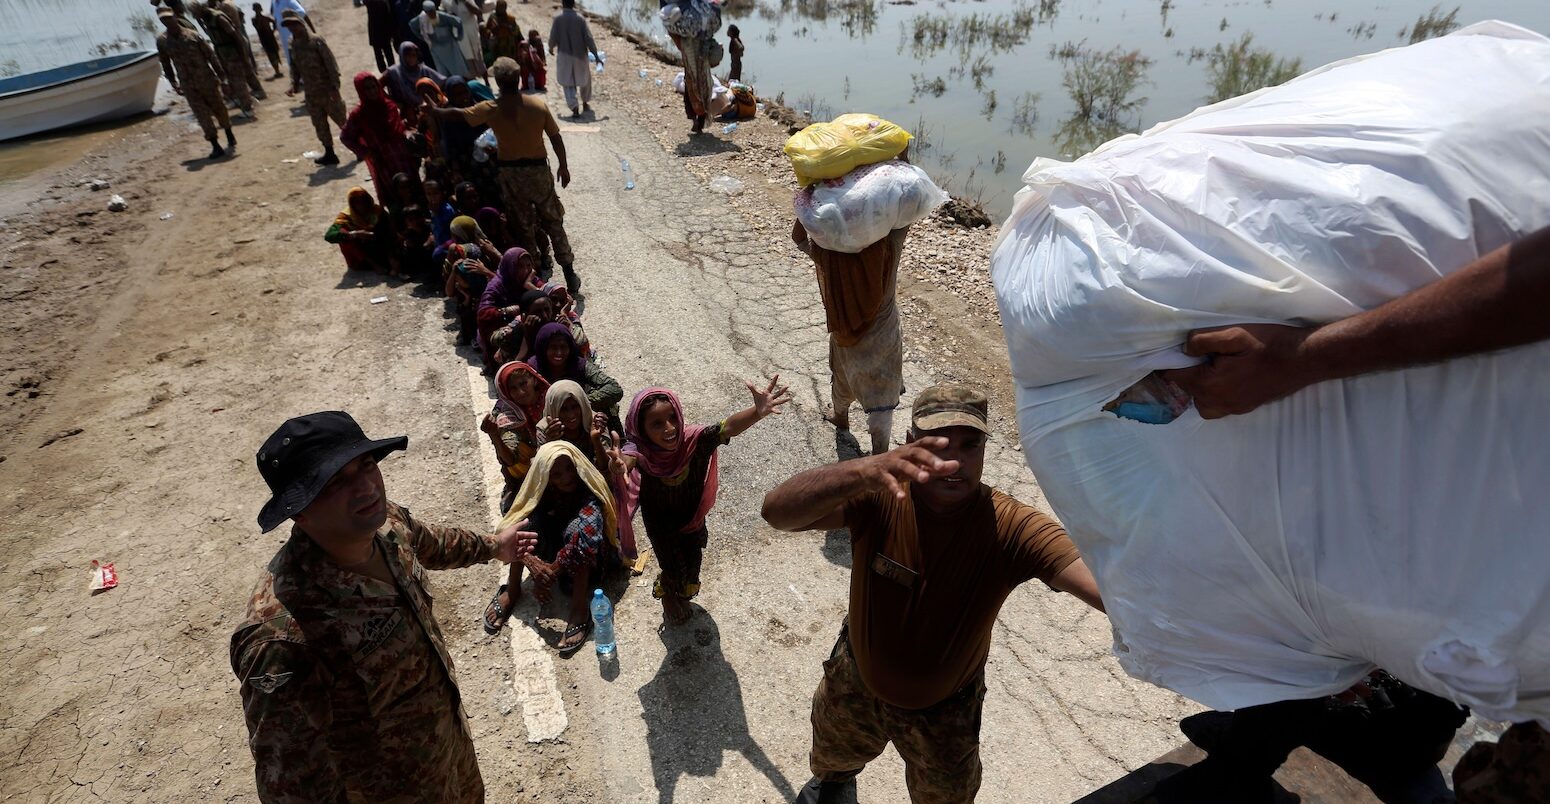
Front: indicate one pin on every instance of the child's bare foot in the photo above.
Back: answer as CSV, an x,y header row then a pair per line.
x,y
675,610
839,420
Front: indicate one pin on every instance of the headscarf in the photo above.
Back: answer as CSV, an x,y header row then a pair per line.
x,y
376,116
540,359
524,416
427,26
661,463
555,398
430,84
401,78
466,230
510,281
348,220
489,219
537,482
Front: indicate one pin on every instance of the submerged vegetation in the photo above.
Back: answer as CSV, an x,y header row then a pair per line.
x,y
1432,24
1240,68
1102,85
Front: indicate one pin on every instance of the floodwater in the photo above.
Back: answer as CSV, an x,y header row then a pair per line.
x,y
988,85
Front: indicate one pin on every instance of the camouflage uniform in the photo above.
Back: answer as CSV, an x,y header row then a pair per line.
x,y
533,204
1514,769
940,744
347,684
224,38
198,75
235,15
313,68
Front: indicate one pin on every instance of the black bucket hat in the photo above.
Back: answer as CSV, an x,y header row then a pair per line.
x,y
305,453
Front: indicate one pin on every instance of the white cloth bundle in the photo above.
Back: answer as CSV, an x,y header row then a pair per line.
x,y
860,208
1390,520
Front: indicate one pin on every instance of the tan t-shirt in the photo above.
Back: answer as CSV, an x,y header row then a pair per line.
x,y
919,639
519,136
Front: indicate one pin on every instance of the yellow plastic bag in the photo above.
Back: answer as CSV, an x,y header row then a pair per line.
x,y
831,150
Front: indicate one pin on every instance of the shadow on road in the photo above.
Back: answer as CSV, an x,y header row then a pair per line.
x,y
694,711
324,175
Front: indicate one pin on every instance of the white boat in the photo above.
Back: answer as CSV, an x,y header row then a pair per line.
x,y
85,92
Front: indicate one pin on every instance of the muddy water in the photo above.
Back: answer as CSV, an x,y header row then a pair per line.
x,y
986,83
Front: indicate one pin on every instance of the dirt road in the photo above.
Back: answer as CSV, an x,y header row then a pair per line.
x,y
145,359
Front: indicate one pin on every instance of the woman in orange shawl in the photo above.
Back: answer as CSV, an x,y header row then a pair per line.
x,y
363,235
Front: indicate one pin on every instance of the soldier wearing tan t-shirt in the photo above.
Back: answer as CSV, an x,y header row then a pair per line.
x,y
934,555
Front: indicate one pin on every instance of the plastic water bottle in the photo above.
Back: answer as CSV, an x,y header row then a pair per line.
x,y
729,128
629,177
602,623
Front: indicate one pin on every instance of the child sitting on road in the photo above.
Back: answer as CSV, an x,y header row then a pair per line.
x,y
669,470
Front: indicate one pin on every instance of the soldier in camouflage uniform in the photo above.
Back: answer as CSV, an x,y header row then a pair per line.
x,y
238,22
316,74
223,39
347,684
194,71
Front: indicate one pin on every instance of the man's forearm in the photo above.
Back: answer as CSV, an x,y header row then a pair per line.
x,y
1496,302
807,498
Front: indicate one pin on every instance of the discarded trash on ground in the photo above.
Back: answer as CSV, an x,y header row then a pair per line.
x,y
103,577
166,216
727,185
117,203
97,184
290,161
308,155
378,299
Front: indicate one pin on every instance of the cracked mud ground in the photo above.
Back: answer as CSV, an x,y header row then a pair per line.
x,y
175,346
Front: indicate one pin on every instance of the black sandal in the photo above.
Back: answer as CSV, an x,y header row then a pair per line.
x,y
584,629
493,625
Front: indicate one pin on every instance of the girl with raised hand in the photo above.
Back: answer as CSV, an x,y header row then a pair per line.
x,y
668,469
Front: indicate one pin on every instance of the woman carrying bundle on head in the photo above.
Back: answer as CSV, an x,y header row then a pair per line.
x,y
567,502
668,470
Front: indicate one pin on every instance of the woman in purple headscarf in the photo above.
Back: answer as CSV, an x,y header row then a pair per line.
x,y
501,302
399,81
557,357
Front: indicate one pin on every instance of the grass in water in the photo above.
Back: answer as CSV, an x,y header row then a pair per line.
x,y
1240,68
1432,24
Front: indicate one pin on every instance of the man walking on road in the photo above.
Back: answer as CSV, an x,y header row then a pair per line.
x,y
934,554
866,342
347,684
194,72
570,35
314,69
520,123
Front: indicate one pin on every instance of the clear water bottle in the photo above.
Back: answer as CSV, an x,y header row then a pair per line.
x,y
602,623
629,176
729,128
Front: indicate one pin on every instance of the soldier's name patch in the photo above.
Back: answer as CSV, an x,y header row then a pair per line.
x,y
269,682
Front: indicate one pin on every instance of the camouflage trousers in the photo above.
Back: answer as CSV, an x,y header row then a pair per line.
x,y
321,109
940,744
209,108
237,72
532,204
1514,769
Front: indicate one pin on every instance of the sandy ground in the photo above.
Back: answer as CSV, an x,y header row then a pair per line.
x,y
145,359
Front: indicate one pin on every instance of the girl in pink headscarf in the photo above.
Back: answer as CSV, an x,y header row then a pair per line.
x,y
668,470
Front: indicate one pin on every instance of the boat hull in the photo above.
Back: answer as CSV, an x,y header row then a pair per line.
x,y
126,89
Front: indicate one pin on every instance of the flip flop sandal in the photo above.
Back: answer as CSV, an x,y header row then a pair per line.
x,y
500,617
584,629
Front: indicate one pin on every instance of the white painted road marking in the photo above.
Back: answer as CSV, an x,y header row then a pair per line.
x,y
532,668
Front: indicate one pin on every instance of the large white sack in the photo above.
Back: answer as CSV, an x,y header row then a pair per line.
x,y
860,208
1399,520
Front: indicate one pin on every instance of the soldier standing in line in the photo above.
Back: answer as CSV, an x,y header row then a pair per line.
x,y
238,23
347,684
197,78
223,39
264,26
314,71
